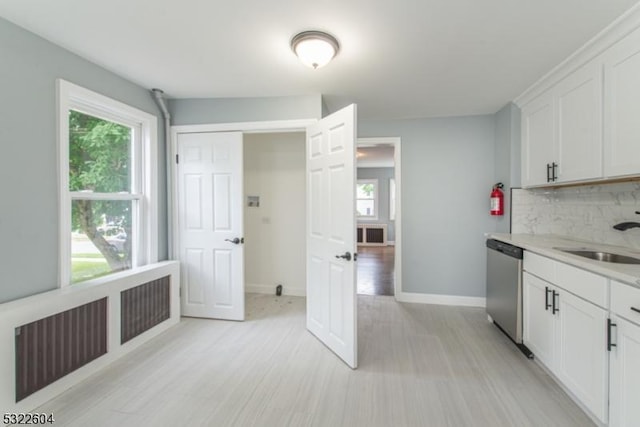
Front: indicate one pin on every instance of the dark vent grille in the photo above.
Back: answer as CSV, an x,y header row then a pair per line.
x,y
375,235
143,307
50,348
359,235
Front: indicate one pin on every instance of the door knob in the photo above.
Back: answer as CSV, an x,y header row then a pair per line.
x,y
235,240
346,255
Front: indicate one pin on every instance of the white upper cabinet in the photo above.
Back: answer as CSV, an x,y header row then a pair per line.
x,y
581,122
622,107
562,130
538,149
578,100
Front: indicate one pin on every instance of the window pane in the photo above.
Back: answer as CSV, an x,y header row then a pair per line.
x,y
99,154
101,236
365,207
365,191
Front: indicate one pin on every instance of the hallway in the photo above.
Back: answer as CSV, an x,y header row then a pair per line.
x,y
376,270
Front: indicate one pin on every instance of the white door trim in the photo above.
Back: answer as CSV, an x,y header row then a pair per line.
x,y
396,143
299,125
246,127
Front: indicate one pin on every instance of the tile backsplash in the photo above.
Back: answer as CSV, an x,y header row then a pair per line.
x,y
583,212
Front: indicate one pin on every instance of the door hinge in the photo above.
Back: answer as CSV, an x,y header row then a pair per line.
x,y
180,292
177,159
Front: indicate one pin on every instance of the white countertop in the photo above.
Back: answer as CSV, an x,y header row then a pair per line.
x,y
544,244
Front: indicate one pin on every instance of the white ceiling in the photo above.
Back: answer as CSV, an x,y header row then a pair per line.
x,y
399,59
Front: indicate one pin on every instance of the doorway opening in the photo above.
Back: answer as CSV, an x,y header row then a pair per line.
x,y
209,199
377,206
275,213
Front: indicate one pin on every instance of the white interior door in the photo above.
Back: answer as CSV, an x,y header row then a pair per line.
x,y
331,233
210,224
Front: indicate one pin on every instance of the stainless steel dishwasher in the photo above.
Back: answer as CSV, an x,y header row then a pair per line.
x,y
504,289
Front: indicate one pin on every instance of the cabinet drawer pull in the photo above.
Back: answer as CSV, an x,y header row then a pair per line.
x,y
637,310
548,172
546,298
555,309
554,175
610,325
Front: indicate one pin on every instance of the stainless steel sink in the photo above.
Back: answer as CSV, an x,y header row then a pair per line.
x,y
601,256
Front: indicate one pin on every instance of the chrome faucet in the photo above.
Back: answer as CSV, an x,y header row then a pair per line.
x,y
627,225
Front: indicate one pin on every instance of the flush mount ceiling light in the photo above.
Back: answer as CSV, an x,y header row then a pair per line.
x,y
315,48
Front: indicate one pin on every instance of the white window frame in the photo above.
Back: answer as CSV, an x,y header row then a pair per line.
x,y
144,181
376,206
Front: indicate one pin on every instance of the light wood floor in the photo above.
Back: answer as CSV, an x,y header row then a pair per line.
x,y
420,365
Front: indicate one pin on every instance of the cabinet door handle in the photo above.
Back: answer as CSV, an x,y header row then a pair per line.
x,y
548,172
554,175
610,325
637,310
555,309
546,298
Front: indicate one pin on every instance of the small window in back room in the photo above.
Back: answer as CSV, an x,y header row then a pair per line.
x,y
367,198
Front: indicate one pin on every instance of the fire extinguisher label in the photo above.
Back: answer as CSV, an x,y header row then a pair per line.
x,y
495,204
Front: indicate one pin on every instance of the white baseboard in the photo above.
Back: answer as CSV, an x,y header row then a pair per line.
x,y
259,288
391,242
441,299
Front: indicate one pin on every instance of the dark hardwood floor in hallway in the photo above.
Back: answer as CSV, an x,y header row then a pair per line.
x,y
376,270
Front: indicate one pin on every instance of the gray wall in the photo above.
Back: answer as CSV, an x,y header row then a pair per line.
x,y
382,175
447,174
28,164
231,110
507,157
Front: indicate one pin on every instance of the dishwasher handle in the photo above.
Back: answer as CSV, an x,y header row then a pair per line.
x,y
505,248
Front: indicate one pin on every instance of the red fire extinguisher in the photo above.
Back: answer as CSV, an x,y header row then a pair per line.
x,y
497,200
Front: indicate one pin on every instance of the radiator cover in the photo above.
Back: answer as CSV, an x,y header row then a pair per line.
x,y
143,307
50,348
372,234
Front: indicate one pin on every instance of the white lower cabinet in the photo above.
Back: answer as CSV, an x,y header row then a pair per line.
x,y
585,328
568,335
625,375
581,362
538,322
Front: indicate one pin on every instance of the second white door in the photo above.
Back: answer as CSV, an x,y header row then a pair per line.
x,y
210,224
331,233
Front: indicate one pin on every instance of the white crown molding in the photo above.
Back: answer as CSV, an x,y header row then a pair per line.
x,y
614,32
